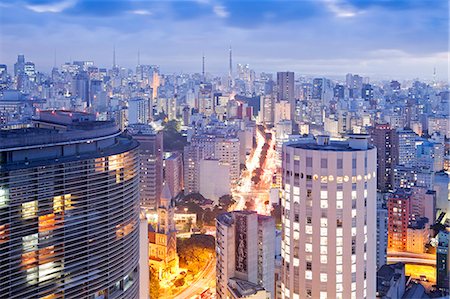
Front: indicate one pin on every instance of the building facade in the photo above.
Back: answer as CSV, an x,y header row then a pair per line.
x,y
328,219
245,250
69,210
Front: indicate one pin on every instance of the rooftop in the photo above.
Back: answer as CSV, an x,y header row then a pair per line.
x,y
354,142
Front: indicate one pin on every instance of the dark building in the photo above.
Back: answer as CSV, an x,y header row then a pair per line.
x,y
382,136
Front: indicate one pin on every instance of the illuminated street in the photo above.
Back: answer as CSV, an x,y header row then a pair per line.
x,y
247,190
206,281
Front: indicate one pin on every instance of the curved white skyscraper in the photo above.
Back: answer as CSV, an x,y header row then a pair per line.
x,y
329,219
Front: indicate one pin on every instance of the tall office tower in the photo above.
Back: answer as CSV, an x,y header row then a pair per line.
x,y
398,219
339,92
318,89
19,66
354,85
405,144
81,87
267,109
151,164
173,173
367,94
138,111
245,251
230,70
69,209
328,219
382,137
30,71
285,89
205,103
430,155
442,260
191,168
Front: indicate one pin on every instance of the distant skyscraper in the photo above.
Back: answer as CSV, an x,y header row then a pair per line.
x,y
245,250
405,144
329,225
151,164
318,89
69,210
19,66
286,91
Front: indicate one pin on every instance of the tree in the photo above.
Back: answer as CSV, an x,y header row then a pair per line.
x,y
154,284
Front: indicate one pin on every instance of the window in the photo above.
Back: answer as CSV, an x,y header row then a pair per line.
x,y
339,164
323,259
308,274
308,247
323,222
29,209
308,229
323,194
354,163
339,195
323,163
324,204
323,277
308,266
308,161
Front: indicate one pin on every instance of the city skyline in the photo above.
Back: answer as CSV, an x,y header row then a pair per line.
x,y
292,36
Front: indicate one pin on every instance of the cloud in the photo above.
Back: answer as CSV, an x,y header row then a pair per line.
x,y
221,11
54,7
142,12
339,9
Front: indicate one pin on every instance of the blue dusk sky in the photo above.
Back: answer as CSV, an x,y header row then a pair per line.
x,y
388,39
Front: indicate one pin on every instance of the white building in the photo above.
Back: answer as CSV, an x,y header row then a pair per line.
x,y
138,111
245,250
214,179
329,219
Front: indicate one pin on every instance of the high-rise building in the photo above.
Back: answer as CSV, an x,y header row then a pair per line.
x,y
69,209
151,164
173,173
245,250
398,219
329,219
382,137
285,89
138,111
19,66
405,143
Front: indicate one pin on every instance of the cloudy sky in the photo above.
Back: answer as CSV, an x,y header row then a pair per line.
x,y
377,38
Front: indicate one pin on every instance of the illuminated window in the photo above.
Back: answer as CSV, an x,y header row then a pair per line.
x,y
323,250
339,250
308,229
323,277
4,233
58,204
323,240
323,231
29,209
339,271
3,197
323,295
339,232
324,204
339,278
323,222
47,222
308,274
339,204
354,194
324,259
308,247
323,194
